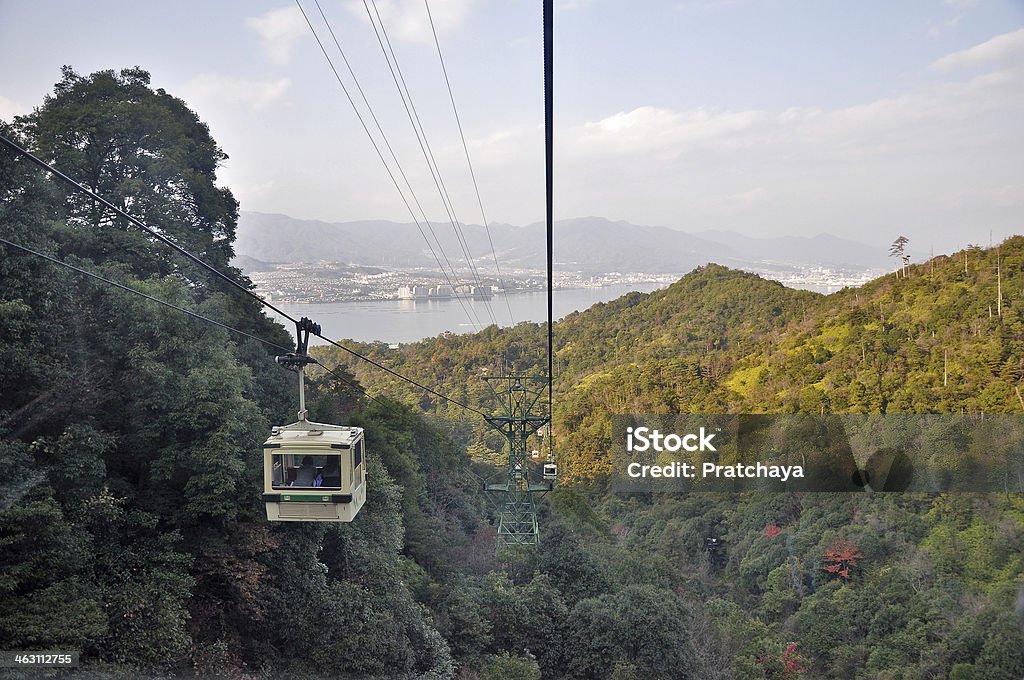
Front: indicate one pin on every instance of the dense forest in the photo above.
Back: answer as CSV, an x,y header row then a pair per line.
x,y
133,530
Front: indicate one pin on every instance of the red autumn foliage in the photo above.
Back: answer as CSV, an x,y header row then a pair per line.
x,y
772,530
788,665
792,664
841,557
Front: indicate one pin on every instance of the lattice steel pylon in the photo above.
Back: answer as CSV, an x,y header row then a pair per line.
x,y
515,499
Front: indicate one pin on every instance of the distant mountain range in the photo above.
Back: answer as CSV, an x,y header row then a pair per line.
x,y
591,245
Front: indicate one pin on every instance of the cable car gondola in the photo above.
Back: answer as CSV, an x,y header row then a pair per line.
x,y
550,469
312,472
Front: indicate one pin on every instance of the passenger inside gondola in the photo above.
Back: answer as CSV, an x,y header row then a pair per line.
x,y
310,471
306,473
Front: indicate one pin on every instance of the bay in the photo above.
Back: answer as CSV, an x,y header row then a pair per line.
x,y
408,321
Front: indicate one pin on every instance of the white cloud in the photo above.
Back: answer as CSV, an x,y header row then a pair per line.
x,y
1008,47
921,120
407,19
505,146
863,167
256,94
649,128
279,29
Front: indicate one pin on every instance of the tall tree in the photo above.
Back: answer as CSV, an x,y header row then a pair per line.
x,y
146,152
898,249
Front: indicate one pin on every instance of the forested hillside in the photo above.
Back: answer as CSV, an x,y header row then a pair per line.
x,y
936,339
132,527
925,570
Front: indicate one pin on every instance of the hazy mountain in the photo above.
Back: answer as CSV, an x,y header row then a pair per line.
x,y
588,244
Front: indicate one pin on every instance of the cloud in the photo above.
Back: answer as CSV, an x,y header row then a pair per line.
x,y
505,146
407,19
942,115
1008,47
256,94
897,159
279,29
649,128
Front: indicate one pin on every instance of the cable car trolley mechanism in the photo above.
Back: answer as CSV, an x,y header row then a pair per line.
x,y
312,472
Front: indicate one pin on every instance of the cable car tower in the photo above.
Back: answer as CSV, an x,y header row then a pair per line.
x,y
515,498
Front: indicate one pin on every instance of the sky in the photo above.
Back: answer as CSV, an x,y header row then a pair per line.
x,y
865,120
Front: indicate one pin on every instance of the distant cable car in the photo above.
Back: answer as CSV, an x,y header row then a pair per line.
x,y
312,472
550,469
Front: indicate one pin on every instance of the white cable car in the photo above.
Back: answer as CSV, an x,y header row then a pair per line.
x,y
312,472
550,469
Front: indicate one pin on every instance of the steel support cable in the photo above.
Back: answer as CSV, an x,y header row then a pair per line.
x,y
399,375
387,168
151,298
350,382
429,157
49,168
469,162
549,185
424,143
398,165
152,232
171,305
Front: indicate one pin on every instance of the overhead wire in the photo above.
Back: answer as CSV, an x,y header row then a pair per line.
x,y
149,230
474,322
549,129
399,375
138,292
394,158
421,137
418,128
350,382
178,308
57,173
469,162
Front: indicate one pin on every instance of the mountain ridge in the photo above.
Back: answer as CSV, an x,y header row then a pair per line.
x,y
591,245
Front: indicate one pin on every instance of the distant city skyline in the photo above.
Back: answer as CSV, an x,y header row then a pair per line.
x,y
765,117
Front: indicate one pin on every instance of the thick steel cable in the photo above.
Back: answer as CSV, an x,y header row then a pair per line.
x,y
398,165
152,232
549,128
171,305
387,168
399,375
111,282
421,138
469,162
49,168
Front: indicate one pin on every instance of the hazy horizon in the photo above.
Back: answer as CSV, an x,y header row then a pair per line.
x,y
760,117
